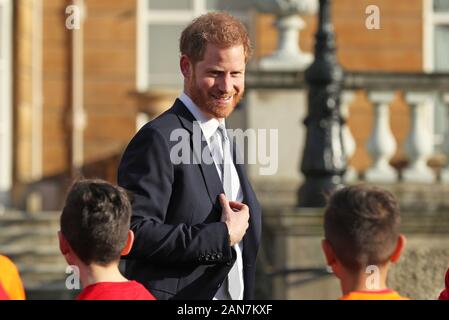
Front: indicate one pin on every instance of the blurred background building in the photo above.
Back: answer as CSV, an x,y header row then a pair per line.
x,y
71,98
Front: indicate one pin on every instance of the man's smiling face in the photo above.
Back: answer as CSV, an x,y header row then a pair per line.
x,y
217,82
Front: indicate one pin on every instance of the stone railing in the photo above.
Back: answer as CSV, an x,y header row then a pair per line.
x,y
420,91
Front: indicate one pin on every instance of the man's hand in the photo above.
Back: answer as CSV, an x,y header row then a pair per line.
x,y
236,216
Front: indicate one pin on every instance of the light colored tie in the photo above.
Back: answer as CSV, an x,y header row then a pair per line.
x,y
234,286
227,162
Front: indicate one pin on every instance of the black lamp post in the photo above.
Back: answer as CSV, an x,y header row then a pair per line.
x,y
324,159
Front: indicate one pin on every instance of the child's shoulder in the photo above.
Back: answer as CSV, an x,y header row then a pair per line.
x,y
386,294
7,266
127,290
5,261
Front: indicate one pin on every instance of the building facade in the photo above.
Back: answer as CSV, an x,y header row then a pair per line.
x,y
72,98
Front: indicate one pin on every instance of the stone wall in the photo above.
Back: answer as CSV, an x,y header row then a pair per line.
x,y
419,274
292,240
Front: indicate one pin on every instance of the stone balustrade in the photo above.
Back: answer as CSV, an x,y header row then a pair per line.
x,y
420,91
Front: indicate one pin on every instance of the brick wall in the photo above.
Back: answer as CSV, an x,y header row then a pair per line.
x,y
110,77
22,90
56,73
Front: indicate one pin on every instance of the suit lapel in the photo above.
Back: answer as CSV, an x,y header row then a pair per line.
x,y
240,168
251,239
199,146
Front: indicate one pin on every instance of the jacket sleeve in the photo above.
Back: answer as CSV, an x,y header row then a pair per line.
x,y
147,172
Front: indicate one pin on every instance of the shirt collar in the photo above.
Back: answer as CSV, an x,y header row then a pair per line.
x,y
207,124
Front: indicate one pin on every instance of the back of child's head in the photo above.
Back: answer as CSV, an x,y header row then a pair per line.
x,y
95,221
361,223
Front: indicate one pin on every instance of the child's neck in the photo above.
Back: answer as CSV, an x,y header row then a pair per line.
x,y
95,273
364,281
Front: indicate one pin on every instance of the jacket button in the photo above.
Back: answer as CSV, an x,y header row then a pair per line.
x,y
219,256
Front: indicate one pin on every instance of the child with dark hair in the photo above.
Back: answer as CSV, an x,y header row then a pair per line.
x,y
362,239
94,234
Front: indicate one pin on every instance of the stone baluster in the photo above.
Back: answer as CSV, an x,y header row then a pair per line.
x,y
445,171
348,139
419,143
381,145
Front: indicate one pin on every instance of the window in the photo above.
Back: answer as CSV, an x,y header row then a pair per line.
x,y
436,35
5,98
440,64
160,23
441,6
441,35
436,51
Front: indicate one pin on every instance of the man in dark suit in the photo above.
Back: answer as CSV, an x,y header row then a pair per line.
x,y
191,241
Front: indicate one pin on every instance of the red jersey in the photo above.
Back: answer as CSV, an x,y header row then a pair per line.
x,y
3,294
130,290
444,295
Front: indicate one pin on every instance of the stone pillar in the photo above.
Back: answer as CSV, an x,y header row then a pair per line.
x,y
6,110
292,245
419,144
381,144
348,138
445,171
152,103
288,55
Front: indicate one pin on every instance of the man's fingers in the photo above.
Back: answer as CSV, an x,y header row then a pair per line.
x,y
237,205
223,201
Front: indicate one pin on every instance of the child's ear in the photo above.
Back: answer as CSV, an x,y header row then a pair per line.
x,y
65,249
129,243
331,258
400,244
63,245
328,252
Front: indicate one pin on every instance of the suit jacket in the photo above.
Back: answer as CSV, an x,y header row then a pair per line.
x,y
181,249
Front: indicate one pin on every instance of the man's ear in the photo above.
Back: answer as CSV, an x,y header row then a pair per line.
x,y
129,243
400,244
186,66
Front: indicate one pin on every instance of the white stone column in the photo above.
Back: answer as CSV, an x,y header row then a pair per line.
x,y
419,143
381,144
348,139
6,108
445,171
288,55
79,114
